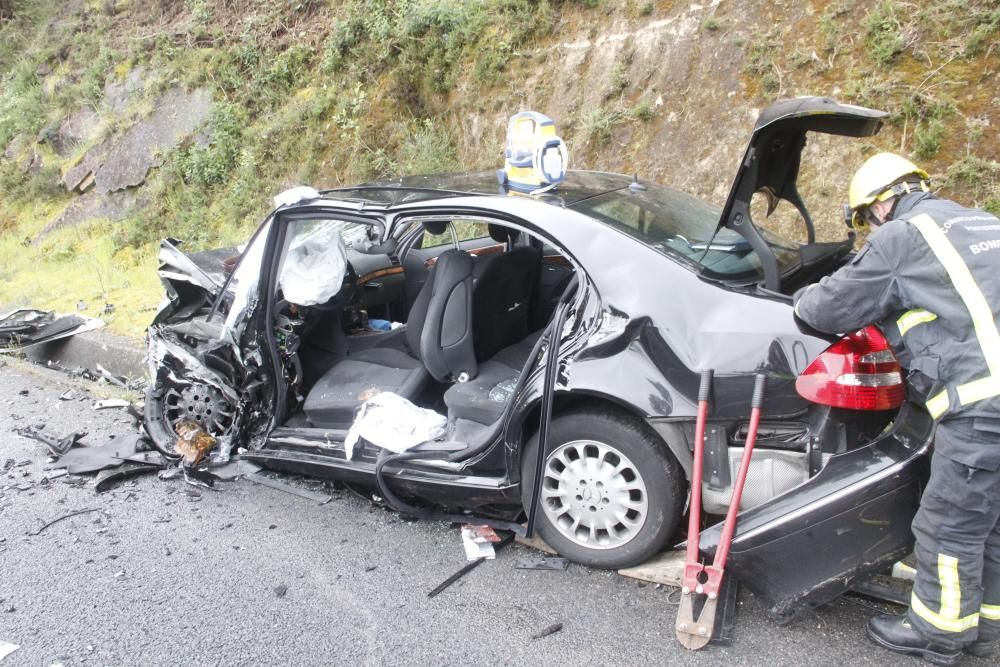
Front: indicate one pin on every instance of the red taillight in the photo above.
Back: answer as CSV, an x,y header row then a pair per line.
x,y
858,372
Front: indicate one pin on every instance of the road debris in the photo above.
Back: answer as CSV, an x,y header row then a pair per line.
x,y
281,590
263,480
546,631
234,469
6,648
27,326
61,518
468,567
478,542
111,403
541,563
108,478
95,459
57,446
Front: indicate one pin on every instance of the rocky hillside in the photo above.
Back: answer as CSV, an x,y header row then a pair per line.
x,y
122,121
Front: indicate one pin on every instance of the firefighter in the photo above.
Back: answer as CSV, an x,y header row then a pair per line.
x,y
928,277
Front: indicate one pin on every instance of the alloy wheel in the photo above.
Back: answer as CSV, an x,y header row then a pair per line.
x,y
593,494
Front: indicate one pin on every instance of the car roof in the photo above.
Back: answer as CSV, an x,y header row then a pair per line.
x,y
577,186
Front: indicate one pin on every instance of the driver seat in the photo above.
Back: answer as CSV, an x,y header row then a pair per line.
x,y
439,337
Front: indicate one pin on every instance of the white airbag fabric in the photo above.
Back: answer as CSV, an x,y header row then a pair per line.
x,y
314,267
391,422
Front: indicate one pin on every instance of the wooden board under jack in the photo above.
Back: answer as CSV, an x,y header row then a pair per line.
x,y
667,568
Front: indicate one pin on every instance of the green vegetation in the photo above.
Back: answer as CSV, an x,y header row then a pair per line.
x,y
981,177
883,32
332,93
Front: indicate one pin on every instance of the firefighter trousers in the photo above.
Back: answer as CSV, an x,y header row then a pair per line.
x,y
956,594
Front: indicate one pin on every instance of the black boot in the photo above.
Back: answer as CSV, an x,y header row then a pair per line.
x,y
981,648
896,634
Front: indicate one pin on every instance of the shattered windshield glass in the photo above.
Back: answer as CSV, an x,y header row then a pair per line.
x,y
680,225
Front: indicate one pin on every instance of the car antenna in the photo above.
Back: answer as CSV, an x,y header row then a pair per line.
x,y
635,185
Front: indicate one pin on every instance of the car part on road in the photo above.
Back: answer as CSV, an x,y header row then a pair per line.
x,y
111,403
94,459
108,478
258,478
57,447
548,630
26,326
541,563
695,633
468,567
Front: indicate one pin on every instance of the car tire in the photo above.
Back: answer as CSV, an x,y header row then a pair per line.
x,y
166,404
613,493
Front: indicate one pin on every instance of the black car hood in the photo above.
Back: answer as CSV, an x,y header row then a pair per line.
x,y
771,160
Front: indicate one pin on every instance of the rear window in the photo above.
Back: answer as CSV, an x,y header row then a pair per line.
x,y
680,225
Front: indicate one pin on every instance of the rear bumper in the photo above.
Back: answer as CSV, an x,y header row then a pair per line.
x,y
813,543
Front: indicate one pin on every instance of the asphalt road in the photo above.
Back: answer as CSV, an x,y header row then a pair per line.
x,y
156,576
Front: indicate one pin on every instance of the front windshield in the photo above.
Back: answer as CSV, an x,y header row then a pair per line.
x,y
680,225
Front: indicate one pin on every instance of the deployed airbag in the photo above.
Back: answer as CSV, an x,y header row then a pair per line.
x,y
314,267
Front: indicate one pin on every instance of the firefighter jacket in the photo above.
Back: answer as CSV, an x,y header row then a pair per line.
x,y
929,280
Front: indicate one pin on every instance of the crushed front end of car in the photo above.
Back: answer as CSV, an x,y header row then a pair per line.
x,y
208,381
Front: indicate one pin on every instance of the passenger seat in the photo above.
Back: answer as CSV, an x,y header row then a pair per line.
x,y
484,398
502,300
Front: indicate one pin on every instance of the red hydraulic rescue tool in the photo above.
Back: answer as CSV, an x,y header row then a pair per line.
x,y
707,579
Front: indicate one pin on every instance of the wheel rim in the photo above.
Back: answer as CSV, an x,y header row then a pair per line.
x,y
198,403
594,495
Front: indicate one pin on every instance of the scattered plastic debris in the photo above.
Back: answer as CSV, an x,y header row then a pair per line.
x,y
57,446
108,478
478,542
280,590
548,630
541,563
24,327
94,459
263,480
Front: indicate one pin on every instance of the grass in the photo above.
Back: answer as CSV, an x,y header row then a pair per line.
x,y
81,265
883,32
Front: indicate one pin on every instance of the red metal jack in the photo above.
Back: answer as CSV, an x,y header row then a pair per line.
x,y
701,579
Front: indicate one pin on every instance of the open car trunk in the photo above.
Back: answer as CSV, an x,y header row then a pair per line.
x,y
770,166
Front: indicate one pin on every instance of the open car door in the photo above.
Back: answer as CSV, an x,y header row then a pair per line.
x,y
771,165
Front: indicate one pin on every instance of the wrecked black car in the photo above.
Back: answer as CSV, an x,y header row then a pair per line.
x,y
494,324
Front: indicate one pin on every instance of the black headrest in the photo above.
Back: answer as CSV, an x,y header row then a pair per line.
x,y
436,227
502,234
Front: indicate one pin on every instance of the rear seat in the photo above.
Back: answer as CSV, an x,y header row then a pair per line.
x,y
482,399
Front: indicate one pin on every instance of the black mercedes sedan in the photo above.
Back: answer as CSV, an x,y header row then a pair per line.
x,y
431,336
